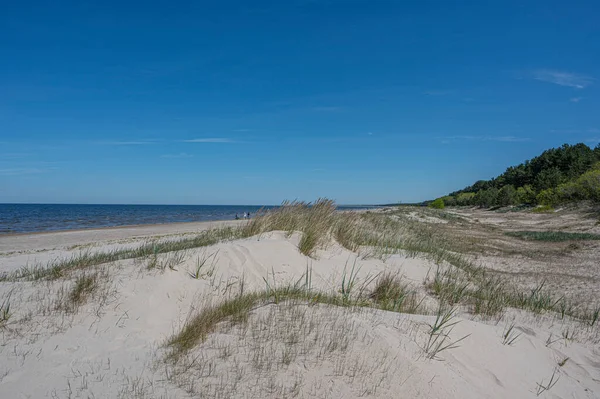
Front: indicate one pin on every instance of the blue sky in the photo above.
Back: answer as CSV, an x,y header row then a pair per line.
x,y
255,102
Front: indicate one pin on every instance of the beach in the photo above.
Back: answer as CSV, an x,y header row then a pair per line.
x,y
129,331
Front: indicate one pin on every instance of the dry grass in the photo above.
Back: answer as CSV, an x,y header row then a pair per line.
x,y
389,293
314,220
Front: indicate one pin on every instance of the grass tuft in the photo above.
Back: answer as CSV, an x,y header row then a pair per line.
x,y
510,335
390,293
314,220
439,333
5,312
84,287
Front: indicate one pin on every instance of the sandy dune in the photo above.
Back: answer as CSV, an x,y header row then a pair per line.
x,y
111,346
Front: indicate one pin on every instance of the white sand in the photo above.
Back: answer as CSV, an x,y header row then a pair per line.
x,y
112,346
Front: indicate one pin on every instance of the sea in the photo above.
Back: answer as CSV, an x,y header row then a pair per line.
x,y
31,218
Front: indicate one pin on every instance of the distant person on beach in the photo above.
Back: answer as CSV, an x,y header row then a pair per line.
x,y
237,217
248,215
245,215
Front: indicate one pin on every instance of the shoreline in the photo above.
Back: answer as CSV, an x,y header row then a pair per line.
x,y
32,242
152,225
119,227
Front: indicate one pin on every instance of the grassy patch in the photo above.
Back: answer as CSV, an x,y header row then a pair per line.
x,y
84,287
554,236
389,293
83,260
543,209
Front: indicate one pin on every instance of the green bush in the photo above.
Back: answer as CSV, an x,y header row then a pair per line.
x,y
437,204
486,198
507,196
589,183
526,195
548,197
464,199
449,200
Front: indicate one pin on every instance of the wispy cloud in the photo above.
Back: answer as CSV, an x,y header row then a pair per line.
x,y
242,130
438,92
576,99
563,78
486,138
210,140
177,156
141,142
328,108
23,171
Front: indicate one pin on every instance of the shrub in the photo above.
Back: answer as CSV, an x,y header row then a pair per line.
x,y
487,198
437,204
589,184
449,200
548,197
507,196
464,199
526,195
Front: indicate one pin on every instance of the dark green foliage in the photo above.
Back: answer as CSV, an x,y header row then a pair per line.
x,y
552,235
486,198
556,176
507,196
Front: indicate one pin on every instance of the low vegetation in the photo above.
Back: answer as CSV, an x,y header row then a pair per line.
x,y
314,220
83,288
389,293
5,312
151,250
555,236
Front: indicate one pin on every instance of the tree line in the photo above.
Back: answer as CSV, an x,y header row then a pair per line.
x,y
559,175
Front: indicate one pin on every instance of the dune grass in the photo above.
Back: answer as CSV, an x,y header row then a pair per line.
x,y
314,220
84,286
5,312
553,236
84,260
389,293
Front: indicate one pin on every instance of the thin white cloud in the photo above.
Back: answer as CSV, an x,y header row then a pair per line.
x,y
563,78
144,142
485,138
593,130
575,99
328,108
177,156
438,92
210,140
23,171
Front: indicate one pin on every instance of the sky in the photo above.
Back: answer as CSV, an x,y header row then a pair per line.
x,y
239,102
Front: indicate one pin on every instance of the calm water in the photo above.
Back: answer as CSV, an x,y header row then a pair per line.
x,y
26,218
